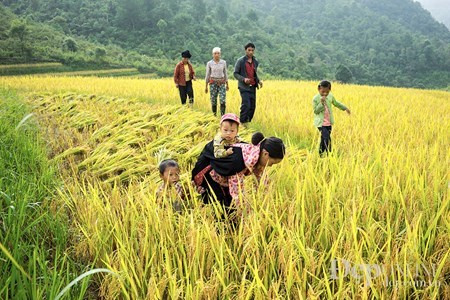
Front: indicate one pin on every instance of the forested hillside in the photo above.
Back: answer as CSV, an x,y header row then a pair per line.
x,y
439,9
370,42
23,40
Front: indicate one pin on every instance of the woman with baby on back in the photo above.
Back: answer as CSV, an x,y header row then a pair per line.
x,y
222,178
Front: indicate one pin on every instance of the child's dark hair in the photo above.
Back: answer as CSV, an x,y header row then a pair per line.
x,y
273,145
167,163
257,138
324,84
249,45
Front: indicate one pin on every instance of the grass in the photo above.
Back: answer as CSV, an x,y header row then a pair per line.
x,y
25,66
34,233
98,73
370,221
355,210
58,69
25,69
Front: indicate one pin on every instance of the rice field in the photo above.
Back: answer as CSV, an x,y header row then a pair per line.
x,y
58,69
19,69
97,73
372,221
36,65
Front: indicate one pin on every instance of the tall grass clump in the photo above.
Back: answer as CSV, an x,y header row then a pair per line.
x,y
370,221
34,235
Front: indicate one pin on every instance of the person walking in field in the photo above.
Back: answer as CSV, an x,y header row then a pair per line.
x,y
323,114
217,79
245,71
182,76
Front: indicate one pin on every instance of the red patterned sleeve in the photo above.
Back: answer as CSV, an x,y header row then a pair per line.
x,y
236,184
250,154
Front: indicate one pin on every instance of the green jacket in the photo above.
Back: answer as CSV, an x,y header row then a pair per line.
x,y
319,109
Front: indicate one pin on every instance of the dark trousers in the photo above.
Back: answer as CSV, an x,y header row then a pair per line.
x,y
222,194
248,105
325,139
186,91
215,190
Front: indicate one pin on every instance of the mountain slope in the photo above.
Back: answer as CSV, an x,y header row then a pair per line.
x,y
439,9
375,42
23,40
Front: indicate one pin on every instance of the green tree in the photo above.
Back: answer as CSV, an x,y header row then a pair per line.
x,y
381,42
129,13
252,15
222,13
199,9
344,74
162,26
70,44
182,22
20,31
428,51
59,22
100,53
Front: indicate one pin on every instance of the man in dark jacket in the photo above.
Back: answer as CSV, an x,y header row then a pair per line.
x,y
248,81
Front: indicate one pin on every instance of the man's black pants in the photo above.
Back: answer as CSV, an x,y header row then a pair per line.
x,y
248,105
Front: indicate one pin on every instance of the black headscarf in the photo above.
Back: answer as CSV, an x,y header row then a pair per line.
x,y
186,54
